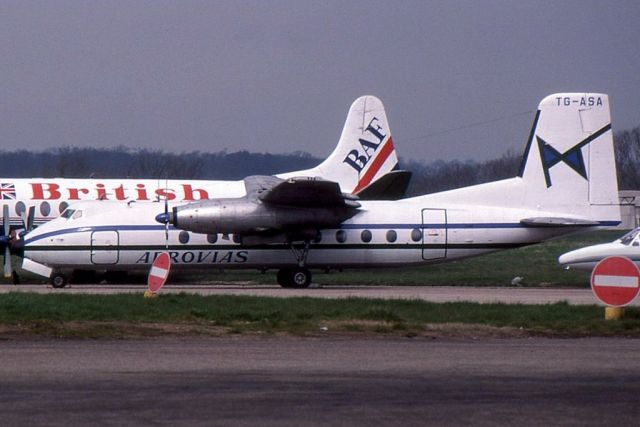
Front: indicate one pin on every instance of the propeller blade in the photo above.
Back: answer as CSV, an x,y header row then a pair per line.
x,y
31,217
6,220
166,222
8,272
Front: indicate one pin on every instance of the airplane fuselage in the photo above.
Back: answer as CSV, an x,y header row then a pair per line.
x,y
566,182
588,257
382,234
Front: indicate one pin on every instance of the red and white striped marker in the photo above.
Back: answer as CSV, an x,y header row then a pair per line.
x,y
159,272
615,281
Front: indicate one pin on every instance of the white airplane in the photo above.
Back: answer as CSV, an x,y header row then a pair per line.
x,y
567,183
365,153
586,258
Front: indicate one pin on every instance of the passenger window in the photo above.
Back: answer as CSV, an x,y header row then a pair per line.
x,y
392,236
341,236
45,208
20,208
366,236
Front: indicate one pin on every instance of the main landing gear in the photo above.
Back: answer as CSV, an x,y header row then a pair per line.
x,y
296,277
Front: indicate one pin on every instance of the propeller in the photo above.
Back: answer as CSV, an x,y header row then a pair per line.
x,y
6,241
166,223
9,244
27,217
165,218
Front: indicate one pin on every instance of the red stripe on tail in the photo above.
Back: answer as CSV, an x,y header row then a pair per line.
x,y
377,163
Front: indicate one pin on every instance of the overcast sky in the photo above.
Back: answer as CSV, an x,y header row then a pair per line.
x,y
279,76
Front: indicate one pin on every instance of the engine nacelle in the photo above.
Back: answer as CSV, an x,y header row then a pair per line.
x,y
244,217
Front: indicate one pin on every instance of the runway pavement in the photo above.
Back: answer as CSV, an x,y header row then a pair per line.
x,y
285,381
438,294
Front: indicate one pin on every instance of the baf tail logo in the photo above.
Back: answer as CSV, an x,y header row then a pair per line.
x,y
358,159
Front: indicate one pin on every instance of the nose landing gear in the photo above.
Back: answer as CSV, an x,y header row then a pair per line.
x,y
58,280
296,277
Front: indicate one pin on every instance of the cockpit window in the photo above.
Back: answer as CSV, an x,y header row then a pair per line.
x,y
71,213
68,213
629,237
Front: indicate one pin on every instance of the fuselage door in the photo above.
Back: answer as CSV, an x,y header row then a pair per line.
x,y
434,234
104,247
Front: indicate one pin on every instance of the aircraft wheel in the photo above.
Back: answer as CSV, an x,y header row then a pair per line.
x,y
58,280
299,278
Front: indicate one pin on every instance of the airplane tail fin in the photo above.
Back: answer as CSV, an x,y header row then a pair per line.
x,y
569,164
365,151
568,172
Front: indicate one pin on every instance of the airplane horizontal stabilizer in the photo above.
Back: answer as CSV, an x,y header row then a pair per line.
x,y
557,222
392,186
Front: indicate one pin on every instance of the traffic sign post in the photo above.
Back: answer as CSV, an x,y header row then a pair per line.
x,y
158,274
615,281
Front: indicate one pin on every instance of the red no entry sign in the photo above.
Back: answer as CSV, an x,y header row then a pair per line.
x,y
159,272
615,281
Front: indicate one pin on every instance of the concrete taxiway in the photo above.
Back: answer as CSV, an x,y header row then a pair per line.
x,y
439,294
285,381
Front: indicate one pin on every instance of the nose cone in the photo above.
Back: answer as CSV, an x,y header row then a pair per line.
x,y
587,258
164,218
569,258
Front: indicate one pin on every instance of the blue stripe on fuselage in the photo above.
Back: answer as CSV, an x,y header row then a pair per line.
x,y
344,227
96,228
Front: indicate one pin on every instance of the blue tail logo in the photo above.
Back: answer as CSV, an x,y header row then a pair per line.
x,y
572,157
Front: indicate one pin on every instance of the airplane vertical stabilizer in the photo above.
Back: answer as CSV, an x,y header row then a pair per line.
x,y
365,151
569,162
568,169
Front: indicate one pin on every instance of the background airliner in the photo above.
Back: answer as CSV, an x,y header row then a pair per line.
x,y
567,182
586,258
362,156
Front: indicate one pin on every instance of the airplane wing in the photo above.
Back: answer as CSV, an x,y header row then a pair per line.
x,y
557,222
300,192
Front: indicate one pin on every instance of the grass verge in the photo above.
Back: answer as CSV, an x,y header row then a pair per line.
x,y
127,315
